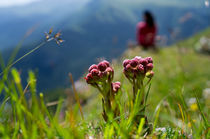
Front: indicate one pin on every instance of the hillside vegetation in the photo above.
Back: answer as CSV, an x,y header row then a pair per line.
x,y
177,106
181,74
99,28
178,68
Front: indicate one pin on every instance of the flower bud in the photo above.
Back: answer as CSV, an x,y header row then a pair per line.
x,y
118,83
94,66
89,78
134,63
95,72
116,86
126,62
149,59
149,66
102,66
106,62
109,71
140,68
128,68
138,58
143,61
150,74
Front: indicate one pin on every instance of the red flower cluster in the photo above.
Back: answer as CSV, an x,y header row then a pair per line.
x,y
99,73
138,67
101,76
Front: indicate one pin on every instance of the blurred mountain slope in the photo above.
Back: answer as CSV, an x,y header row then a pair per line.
x,y
43,14
102,29
179,70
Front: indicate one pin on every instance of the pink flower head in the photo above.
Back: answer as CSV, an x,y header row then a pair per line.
x,y
95,72
94,66
137,67
140,68
98,73
102,66
109,71
106,62
118,83
149,66
134,63
138,58
126,62
89,78
149,59
143,61
116,86
128,68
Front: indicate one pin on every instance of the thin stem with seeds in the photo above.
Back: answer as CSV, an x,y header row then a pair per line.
x,y
9,66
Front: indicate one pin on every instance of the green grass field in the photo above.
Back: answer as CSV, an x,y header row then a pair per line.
x,y
177,106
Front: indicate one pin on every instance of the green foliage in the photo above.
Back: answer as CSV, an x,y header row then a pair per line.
x,y
180,73
25,114
28,114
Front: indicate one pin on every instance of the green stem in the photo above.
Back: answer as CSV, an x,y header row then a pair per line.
x,y
142,87
134,90
9,66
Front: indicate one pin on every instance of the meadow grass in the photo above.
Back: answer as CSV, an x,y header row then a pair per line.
x,y
175,106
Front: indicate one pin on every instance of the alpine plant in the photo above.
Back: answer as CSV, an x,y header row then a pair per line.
x,y
101,77
139,73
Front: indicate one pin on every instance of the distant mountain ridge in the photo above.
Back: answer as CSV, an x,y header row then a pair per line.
x,y
102,29
42,15
45,13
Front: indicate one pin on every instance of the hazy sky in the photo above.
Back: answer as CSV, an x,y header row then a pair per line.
x,y
8,3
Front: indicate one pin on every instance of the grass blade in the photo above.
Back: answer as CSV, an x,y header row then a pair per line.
x,y
76,95
201,112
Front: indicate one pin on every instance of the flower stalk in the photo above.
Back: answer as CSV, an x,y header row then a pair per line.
x,y
136,70
101,77
139,73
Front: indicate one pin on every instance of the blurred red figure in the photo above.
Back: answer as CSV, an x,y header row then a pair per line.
x,y
146,31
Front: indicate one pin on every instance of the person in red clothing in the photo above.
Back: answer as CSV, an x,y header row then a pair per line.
x,y
146,31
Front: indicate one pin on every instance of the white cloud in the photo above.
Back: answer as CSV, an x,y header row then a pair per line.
x,y
8,3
